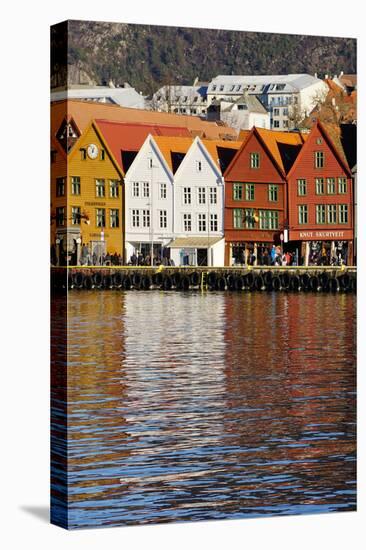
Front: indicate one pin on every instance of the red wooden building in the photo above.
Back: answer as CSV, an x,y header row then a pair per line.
x,y
320,202
256,195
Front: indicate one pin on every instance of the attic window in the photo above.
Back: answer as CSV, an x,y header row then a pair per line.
x,y
222,88
102,154
83,154
213,87
319,141
238,87
280,87
232,88
198,165
158,97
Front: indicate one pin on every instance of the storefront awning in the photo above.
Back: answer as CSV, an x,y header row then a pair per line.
x,y
194,242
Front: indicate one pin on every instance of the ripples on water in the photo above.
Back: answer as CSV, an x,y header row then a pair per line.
x,y
190,406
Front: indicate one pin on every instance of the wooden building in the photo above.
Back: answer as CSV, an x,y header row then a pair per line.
x,y
256,195
320,206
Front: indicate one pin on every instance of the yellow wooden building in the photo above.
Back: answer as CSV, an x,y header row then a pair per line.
x,y
87,217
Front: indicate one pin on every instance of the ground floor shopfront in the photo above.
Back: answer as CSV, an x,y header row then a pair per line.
x,y
197,251
322,247
252,247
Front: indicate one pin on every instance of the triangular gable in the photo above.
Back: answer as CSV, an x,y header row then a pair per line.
x,y
308,143
229,174
197,143
149,142
99,134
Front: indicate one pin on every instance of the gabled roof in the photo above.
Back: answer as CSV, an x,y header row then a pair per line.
x,y
173,149
341,158
283,146
222,152
83,112
127,137
243,134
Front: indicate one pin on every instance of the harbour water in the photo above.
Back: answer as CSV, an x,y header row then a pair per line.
x,y
199,406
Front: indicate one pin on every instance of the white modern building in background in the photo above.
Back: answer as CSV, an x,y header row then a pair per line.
x,y
186,100
281,95
123,96
242,113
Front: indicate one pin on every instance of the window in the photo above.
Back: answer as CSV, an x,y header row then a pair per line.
x,y
100,217
254,160
213,222
238,87
114,189
150,160
332,213
276,124
268,219
303,214
331,186
163,190
342,185
238,218
319,159
320,213
232,88
102,154
343,213
213,87
136,189
187,222
249,191
319,186
146,218
238,191
186,195
75,215
249,218
114,217
75,185
60,215
146,189
301,187
198,165
83,154
60,187
319,141
273,193
100,188
201,195
285,112
163,219
285,123
213,195
201,222
222,87
276,112
135,218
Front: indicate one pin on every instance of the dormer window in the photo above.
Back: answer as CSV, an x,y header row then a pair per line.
x,y
232,88
214,87
238,87
222,88
280,87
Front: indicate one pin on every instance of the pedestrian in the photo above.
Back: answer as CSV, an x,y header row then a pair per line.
x,y
273,255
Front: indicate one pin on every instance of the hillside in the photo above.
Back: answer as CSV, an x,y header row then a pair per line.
x,y
150,56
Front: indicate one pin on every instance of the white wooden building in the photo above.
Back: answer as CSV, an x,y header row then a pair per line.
x,y
199,204
149,201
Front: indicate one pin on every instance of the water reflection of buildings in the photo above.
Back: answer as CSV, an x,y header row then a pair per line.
x,y
290,366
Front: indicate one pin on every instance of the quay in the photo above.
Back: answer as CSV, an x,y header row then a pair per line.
x,y
242,278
